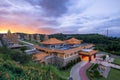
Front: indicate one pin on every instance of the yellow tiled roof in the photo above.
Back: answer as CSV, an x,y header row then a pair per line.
x,y
69,51
89,53
40,56
47,49
52,41
73,41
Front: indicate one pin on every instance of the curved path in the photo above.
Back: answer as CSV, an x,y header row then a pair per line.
x,y
83,72
75,71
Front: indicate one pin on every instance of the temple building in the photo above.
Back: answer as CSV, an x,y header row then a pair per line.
x,y
12,37
60,53
52,43
40,57
73,41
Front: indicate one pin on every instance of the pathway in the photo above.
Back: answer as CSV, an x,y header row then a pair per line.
x,y
26,42
110,65
74,73
83,74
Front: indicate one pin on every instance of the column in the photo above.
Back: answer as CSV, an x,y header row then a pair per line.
x,y
89,58
94,55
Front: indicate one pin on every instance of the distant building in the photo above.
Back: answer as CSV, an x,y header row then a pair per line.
x,y
38,38
46,37
60,53
27,37
32,37
12,37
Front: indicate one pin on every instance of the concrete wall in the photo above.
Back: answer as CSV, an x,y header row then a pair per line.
x,y
60,62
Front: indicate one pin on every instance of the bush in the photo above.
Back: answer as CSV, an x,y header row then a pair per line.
x,y
93,72
22,57
104,57
10,70
23,49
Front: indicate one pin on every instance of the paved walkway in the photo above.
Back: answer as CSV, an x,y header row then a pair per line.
x,y
75,71
110,65
26,42
83,71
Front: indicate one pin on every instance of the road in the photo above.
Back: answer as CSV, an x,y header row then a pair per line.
x,y
75,71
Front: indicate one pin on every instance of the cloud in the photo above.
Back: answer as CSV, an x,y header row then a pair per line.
x,y
54,8
91,16
46,30
66,16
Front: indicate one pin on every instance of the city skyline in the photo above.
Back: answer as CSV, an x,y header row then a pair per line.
x,y
60,16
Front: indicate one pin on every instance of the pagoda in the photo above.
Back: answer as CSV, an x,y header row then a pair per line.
x,y
12,37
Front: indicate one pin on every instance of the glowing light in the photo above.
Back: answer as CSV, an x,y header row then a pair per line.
x,y
22,29
85,58
3,31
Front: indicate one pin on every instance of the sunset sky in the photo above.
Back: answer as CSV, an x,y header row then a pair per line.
x,y
60,16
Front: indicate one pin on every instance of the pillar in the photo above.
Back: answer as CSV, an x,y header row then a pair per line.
x,y
89,58
94,55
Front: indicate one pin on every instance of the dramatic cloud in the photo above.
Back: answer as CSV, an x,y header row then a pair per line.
x,y
60,16
54,7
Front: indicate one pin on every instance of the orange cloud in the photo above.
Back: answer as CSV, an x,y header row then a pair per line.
x,y
20,23
23,29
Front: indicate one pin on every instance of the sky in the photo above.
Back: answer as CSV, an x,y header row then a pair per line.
x,y
60,16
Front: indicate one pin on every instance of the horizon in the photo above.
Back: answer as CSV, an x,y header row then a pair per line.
x,y
60,16
64,34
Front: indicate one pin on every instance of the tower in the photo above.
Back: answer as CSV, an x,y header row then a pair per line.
x,y
12,37
32,37
9,35
27,37
46,37
38,38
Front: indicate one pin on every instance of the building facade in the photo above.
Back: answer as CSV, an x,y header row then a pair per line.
x,y
60,53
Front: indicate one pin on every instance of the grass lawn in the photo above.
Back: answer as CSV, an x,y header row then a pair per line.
x,y
113,75
117,61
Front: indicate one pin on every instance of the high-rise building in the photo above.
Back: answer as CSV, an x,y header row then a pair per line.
x,y
38,38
